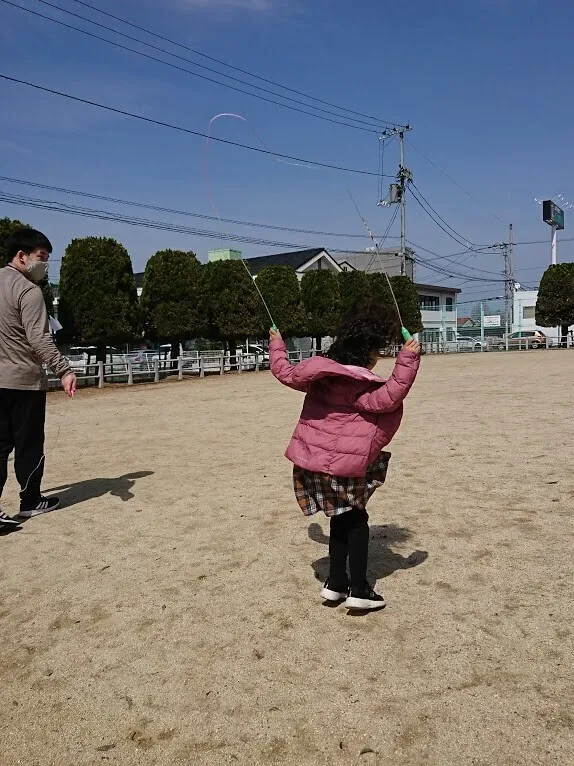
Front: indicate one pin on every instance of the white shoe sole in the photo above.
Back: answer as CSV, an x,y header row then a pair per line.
x,y
7,522
363,603
332,595
31,514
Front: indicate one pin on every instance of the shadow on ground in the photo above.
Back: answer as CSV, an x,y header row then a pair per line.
x,y
382,560
81,491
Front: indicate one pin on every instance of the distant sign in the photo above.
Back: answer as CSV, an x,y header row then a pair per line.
x,y
552,214
491,321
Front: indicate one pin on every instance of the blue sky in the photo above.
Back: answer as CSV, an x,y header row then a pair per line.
x,y
485,85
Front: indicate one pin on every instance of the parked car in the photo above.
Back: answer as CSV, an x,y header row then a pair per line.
x,y
525,339
82,357
255,351
465,343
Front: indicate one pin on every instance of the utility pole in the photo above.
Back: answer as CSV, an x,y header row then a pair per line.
x,y
511,283
507,253
398,190
507,296
404,176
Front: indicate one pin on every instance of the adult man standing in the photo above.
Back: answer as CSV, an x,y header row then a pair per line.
x,y
25,345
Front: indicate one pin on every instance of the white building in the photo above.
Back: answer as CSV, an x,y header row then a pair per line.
x,y
387,259
524,314
438,312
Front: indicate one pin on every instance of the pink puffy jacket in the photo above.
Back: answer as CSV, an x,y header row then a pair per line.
x,y
349,413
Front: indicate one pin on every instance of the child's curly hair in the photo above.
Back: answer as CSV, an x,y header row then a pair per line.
x,y
366,329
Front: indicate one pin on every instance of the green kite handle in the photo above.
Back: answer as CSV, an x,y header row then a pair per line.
x,y
274,327
406,334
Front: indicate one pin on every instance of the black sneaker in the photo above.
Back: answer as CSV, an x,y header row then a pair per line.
x,y
44,505
364,598
330,593
7,523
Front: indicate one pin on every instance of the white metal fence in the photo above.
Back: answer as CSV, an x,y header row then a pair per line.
x,y
521,341
128,369
132,368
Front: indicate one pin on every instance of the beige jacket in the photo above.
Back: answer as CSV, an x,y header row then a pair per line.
x,y
25,340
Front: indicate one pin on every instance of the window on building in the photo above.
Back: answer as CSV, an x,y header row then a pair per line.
x,y
529,312
449,303
429,302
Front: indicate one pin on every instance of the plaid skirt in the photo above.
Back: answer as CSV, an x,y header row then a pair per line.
x,y
338,494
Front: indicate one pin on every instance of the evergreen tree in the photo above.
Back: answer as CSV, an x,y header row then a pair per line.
x,y
98,297
409,303
7,227
406,295
320,296
555,303
234,308
173,298
353,285
279,286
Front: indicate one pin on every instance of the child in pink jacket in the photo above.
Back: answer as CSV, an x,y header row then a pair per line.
x,y
349,415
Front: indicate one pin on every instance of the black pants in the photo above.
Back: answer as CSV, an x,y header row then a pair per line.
x,y
22,418
349,539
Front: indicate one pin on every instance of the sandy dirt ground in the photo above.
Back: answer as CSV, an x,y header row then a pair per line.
x,y
169,613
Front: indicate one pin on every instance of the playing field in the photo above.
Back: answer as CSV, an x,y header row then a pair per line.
x,y
169,613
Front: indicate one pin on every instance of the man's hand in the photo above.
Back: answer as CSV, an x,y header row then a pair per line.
x,y
274,335
69,383
412,346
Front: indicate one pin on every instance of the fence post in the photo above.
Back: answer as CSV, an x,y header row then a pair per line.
x,y
156,370
257,363
222,364
100,374
130,372
180,368
201,368
239,362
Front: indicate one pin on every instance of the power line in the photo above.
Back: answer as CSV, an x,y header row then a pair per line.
x,y
444,257
454,274
439,221
372,126
543,241
370,129
66,208
454,231
106,215
158,208
451,179
181,129
480,300
228,66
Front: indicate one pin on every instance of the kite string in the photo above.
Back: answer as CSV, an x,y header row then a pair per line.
x,y
377,250
295,164
212,198
50,449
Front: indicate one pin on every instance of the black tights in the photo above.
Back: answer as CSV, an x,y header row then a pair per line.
x,y
349,538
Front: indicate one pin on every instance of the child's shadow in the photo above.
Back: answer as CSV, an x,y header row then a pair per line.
x,y
382,560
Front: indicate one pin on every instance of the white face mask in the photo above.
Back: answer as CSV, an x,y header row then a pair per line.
x,y
37,270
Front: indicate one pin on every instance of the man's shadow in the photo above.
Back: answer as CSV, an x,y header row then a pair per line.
x,y
382,560
72,494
